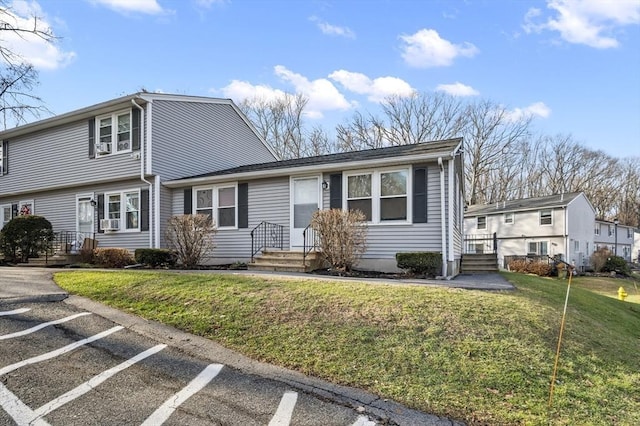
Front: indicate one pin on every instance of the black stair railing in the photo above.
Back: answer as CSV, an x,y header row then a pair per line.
x,y
480,243
266,235
70,242
310,242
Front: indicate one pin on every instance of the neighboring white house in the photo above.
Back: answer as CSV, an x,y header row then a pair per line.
x,y
636,246
617,238
544,226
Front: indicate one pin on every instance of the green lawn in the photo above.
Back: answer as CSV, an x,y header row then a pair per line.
x,y
480,357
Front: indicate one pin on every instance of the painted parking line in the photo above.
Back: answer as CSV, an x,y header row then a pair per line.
x,y
41,326
15,312
60,351
363,421
285,409
169,406
17,410
93,382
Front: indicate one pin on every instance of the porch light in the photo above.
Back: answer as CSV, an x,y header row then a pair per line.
x,y
325,185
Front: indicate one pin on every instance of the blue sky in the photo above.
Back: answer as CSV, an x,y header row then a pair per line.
x,y
573,64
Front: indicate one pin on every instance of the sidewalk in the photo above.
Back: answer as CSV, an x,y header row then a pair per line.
x,y
23,285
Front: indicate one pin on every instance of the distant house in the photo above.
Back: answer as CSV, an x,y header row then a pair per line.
x,y
117,171
617,238
538,227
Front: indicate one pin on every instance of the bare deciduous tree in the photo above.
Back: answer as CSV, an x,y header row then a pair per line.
x,y
191,236
18,77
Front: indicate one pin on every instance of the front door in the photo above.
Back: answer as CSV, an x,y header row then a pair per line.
x,y
84,218
305,200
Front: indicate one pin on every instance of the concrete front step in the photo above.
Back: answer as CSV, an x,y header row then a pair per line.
x,y
286,261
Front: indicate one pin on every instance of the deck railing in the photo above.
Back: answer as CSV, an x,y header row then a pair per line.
x,y
266,235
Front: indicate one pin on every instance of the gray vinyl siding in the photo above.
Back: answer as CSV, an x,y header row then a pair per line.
x,y
59,208
268,201
191,138
58,157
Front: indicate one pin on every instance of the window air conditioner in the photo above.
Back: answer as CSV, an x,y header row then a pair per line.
x,y
103,148
110,224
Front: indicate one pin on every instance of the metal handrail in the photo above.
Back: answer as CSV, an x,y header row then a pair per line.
x,y
488,241
265,235
310,242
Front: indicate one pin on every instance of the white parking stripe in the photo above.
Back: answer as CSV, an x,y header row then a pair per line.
x,y
41,326
363,421
93,382
15,311
57,352
19,412
285,409
169,406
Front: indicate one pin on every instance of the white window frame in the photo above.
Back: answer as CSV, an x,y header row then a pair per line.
x,y
1,160
509,218
215,202
550,217
376,194
538,251
23,203
597,229
122,211
483,228
576,246
4,220
114,133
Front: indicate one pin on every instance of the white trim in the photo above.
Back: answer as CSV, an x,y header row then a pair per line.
x,y
123,212
91,197
451,219
292,200
376,196
2,218
156,212
443,226
215,202
22,203
550,215
114,132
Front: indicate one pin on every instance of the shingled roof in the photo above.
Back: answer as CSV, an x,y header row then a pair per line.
x,y
550,201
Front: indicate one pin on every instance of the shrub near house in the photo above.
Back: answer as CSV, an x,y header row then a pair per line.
x,y
24,237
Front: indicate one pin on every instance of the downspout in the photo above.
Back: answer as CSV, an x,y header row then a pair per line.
x,y
450,205
443,229
142,160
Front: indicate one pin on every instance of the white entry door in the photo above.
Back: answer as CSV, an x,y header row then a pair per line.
x,y
305,200
84,218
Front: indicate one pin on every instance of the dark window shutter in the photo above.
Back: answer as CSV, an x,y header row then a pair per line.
x,y
135,129
188,202
5,157
420,195
92,137
14,210
100,212
243,205
335,188
144,210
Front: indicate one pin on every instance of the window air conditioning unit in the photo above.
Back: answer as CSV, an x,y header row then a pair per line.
x,y
110,224
103,148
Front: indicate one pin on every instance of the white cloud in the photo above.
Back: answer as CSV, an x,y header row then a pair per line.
x,y
457,89
589,22
149,7
535,110
30,47
376,90
426,49
209,3
241,90
335,30
322,94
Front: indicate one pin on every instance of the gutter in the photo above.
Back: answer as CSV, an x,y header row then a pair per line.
x,y
450,206
142,161
443,229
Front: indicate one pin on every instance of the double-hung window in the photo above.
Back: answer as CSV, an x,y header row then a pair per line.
x,y
5,215
114,132
508,218
482,222
597,231
124,209
219,203
383,196
545,217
